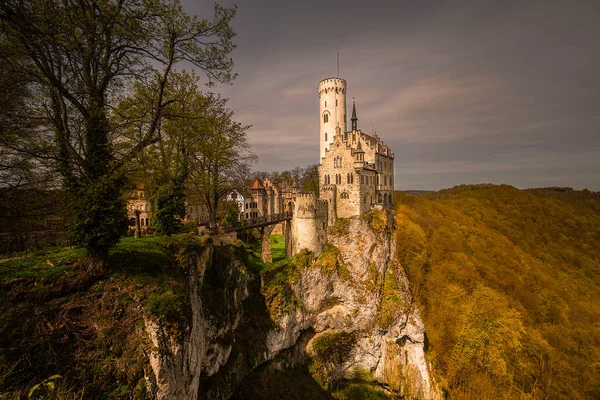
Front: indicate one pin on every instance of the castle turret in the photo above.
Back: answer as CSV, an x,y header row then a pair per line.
x,y
332,110
359,156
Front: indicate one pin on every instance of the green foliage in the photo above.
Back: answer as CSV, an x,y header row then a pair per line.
x,y
100,219
169,207
278,247
189,227
508,284
279,280
330,261
377,220
341,227
333,348
165,305
189,247
392,305
56,318
44,388
72,122
329,351
232,214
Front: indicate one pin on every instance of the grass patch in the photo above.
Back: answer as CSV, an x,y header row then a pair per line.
x,y
278,249
47,264
56,319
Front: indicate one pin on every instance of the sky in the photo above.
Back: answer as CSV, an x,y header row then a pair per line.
x,y
462,91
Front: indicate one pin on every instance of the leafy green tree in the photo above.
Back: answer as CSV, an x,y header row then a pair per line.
x,y
78,57
220,160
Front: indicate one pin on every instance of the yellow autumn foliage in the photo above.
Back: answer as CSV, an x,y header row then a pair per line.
x,y
508,283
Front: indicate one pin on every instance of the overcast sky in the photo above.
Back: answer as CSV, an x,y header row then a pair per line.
x,y
462,91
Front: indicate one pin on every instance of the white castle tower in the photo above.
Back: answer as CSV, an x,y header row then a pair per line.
x,y
332,107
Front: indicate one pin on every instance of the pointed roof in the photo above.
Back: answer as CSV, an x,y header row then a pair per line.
x,y
358,148
354,118
257,185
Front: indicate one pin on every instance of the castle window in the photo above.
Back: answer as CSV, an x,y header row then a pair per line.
x,y
325,136
325,118
365,199
345,195
325,103
379,198
336,102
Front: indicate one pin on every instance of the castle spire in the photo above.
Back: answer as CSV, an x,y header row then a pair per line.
x,y
354,119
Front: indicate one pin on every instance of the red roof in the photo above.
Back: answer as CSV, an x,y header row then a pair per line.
x,y
257,185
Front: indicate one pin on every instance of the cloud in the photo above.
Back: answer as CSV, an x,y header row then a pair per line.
x,y
465,91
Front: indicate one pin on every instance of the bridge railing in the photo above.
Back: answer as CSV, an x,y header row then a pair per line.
x,y
264,220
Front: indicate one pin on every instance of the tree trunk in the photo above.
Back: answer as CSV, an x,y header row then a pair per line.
x,y
96,261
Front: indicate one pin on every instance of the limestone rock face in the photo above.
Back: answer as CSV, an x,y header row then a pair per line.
x,y
355,286
368,294
177,364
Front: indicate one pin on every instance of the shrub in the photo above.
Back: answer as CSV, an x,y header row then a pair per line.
x,y
377,220
341,227
165,305
190,227
329,351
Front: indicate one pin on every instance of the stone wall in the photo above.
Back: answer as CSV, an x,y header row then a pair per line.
x,y
309,224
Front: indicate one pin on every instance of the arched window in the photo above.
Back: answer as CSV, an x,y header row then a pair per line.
x,y
325,103
325,118
345,195
348,178
325,136
379,198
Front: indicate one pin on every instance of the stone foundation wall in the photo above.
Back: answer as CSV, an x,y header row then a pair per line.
x,y
309,224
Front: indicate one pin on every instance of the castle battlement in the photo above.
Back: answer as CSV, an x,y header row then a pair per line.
x,y
306,195
332,84
310,207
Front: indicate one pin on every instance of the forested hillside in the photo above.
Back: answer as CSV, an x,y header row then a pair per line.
x,y
508,283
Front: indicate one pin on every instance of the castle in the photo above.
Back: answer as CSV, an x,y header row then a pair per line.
x,y
356,174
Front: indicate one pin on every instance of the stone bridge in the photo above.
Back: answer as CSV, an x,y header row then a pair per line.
x,y
266,225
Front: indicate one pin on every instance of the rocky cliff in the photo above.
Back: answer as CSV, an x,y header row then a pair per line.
x,y
350,310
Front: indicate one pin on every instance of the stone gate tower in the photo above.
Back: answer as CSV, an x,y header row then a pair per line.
x,y
332,107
